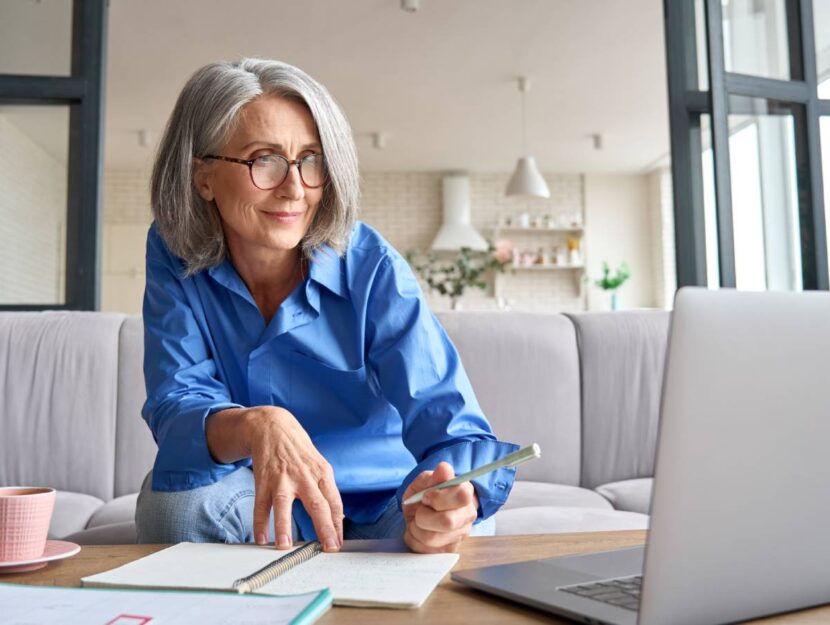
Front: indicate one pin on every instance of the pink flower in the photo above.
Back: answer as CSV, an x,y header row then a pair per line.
x,y
504,250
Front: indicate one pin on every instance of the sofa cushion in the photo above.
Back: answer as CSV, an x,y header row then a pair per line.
x,y
72,512
525,494
631,495
58,374
112,534
119,510
556,520
135,449
621,363
525,373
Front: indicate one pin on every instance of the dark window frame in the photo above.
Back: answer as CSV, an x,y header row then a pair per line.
x,y
83,92
686,105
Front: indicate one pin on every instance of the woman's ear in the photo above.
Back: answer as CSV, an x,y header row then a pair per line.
x,y
202,179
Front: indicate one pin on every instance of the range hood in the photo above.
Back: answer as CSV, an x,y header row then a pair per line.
x,y
456,231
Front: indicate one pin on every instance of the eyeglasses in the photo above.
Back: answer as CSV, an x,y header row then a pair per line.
x,y
270,170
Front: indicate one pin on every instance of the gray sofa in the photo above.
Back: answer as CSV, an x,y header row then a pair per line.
x,y
586,387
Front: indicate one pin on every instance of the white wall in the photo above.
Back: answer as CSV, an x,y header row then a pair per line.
x,y
618,229
661,214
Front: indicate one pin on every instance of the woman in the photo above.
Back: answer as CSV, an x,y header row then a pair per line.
x,y
293,370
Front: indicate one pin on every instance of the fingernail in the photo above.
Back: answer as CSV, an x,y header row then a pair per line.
x,y
260,539
283,541
331,544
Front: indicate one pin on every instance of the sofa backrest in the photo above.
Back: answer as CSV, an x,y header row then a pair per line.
x,y
58,394
585,386
524,369
621,359
135,449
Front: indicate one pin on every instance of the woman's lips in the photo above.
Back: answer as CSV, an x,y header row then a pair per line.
x,y
283,217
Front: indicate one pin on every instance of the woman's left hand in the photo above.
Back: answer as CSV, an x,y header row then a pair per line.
x,y
443,518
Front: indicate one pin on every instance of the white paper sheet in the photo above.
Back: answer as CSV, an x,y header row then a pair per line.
x,y
39,605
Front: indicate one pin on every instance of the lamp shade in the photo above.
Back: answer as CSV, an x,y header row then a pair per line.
x,y
456,231
527,180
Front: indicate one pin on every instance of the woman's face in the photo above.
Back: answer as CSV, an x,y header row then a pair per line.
x,y
254,220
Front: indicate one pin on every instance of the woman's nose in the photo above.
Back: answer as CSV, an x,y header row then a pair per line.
x,y
292,187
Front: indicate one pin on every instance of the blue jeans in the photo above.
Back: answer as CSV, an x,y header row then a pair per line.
x,y
223,512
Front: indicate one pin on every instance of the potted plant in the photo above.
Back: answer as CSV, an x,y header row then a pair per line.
x,y
451,277
612,283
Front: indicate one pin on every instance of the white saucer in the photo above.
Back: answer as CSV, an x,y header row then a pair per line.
x,y
55,550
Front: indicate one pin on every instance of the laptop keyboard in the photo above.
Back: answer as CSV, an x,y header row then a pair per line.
x,y
623,592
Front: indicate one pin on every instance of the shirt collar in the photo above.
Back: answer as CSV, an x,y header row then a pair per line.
x,y
328,269
226,275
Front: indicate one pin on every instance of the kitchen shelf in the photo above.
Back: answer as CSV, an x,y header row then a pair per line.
x,y
548,267
540,230
522,237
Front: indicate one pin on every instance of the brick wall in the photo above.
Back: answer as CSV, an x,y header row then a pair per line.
x,y
404,207
127,218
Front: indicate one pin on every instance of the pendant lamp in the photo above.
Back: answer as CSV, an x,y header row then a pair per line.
x,y
526,179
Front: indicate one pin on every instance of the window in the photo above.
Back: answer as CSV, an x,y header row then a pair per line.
x,y
745,82
51,79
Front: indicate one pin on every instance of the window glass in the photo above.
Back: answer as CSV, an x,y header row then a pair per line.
x,y
824,124
821,21
755,38
710,217
36,37
33,150
765,219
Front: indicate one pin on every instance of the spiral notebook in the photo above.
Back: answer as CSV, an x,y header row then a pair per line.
x,y
354,578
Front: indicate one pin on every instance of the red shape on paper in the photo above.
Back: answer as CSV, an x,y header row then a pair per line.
x,y
130,619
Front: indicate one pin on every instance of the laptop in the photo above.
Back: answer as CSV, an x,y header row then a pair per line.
x,y
740,509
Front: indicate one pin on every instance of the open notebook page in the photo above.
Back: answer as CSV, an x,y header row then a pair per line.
x,y
402,580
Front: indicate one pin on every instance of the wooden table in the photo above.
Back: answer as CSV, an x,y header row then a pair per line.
x,y
451,603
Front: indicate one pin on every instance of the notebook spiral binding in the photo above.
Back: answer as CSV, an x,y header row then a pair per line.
x,y
277,567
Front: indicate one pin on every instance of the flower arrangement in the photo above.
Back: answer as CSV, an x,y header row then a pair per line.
x,y
451,277
612,283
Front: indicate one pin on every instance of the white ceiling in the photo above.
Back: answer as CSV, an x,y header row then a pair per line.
x,y
440,83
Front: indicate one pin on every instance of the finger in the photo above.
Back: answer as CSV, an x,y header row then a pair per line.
x,y
328,488
262,513
421,482
442,473
450,498
282,501
417,485
418,547
320,512
435,541
446,520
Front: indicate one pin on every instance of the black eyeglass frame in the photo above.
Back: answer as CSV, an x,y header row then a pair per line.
x,y
250,163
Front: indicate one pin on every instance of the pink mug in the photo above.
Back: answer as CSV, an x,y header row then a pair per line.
x,y
25,513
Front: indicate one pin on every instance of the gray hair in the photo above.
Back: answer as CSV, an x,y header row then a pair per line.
x,y
203,120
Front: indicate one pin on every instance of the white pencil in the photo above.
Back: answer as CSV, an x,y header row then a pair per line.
x,y
510,460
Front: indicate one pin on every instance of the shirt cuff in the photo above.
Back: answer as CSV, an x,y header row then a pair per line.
x,y
492,488
184,461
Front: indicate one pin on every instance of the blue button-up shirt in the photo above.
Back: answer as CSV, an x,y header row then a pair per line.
x,y
354,353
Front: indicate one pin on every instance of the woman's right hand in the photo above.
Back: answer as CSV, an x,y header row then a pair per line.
x,y
286,467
